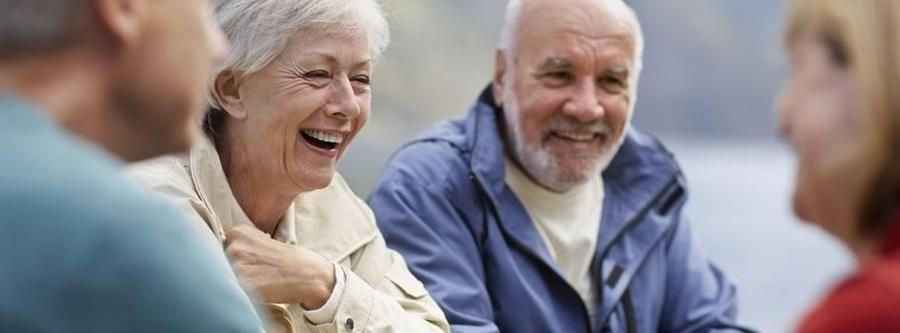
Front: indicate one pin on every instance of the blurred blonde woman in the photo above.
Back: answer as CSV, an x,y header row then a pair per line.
x,y
841,113
284,107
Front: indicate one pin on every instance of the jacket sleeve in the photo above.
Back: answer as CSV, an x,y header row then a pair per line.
x,y
384,296
397,302
699,298
418,219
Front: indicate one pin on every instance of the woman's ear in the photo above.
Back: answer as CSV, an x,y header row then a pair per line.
x,y
228,92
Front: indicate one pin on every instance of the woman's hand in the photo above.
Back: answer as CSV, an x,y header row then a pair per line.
x,y
278,272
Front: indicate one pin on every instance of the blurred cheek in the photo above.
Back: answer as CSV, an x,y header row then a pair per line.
x,y
824,131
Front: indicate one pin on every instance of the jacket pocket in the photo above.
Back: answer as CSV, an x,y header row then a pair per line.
x,y
400,277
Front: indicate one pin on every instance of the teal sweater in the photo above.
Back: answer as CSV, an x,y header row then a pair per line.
x,y
83,250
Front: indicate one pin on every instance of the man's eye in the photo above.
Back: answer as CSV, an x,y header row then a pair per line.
x,y
609,80
558,78
612,83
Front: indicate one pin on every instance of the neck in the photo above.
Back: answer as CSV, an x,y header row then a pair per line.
x,y
260,197
862,248
71,88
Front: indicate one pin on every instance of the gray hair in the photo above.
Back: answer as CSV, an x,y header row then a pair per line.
x,y
514,11
29,26
259,29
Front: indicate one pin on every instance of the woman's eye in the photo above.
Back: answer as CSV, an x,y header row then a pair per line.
x,y
318,75
364,79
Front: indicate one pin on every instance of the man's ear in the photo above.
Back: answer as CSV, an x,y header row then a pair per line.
x,y
121,20
499,77
227,89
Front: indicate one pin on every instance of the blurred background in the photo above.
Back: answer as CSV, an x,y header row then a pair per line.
x,y
712,71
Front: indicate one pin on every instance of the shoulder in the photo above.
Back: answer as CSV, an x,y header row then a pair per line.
x,y
437,158
866,302
70,207
643,150
168,174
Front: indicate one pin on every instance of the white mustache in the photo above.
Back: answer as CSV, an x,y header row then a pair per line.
x,y
568,124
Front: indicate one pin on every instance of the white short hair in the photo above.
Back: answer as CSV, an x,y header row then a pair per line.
x,y
514,11
258,30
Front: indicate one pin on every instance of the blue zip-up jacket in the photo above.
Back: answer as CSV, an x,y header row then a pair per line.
x,y
444,204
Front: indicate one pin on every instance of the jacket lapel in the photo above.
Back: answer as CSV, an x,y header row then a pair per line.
x,y
632,226
488,166
332,221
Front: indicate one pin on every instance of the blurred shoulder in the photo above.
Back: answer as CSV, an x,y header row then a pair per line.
x,y
170,173
866,302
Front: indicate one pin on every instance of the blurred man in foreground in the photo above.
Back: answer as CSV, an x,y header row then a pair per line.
x,y
542,210
86,85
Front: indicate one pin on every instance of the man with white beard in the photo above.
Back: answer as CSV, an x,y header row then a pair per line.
x,y
543,210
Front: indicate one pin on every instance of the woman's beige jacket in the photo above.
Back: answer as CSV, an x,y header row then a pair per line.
x,y
381,295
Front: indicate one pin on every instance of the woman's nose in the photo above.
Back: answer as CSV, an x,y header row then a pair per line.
x,y
342,102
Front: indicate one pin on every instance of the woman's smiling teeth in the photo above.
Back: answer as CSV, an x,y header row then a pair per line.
x,y
322,139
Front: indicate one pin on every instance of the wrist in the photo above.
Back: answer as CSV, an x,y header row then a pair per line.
x,y
319,286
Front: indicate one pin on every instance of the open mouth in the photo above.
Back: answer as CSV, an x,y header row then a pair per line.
x,y
321,139
575,136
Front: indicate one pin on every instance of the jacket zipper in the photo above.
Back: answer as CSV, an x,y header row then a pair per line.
x,y
628,309
627,306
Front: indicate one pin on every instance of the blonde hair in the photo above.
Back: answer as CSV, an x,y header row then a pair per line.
x,y
865,35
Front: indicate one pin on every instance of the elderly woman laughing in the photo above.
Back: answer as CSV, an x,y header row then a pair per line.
x,y
263,182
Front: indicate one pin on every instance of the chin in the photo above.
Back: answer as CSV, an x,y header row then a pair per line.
x,y
802,209
315,181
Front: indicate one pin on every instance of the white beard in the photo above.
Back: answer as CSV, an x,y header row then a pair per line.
x,y
539,164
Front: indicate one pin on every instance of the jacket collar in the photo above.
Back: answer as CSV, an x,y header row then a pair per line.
x,y
487,154
332,222
211,184
639,171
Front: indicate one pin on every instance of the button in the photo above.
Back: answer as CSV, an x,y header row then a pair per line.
x,y
349,324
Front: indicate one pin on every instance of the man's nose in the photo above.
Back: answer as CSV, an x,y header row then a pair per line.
x,y
584,103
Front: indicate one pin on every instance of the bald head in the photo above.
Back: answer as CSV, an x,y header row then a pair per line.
x,y
599,18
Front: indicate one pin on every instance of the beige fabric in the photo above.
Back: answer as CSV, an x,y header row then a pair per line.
x,y
569,224
380,294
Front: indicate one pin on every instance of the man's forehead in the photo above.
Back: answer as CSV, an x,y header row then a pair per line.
x,y
570,53
594,17
590,23
615,66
